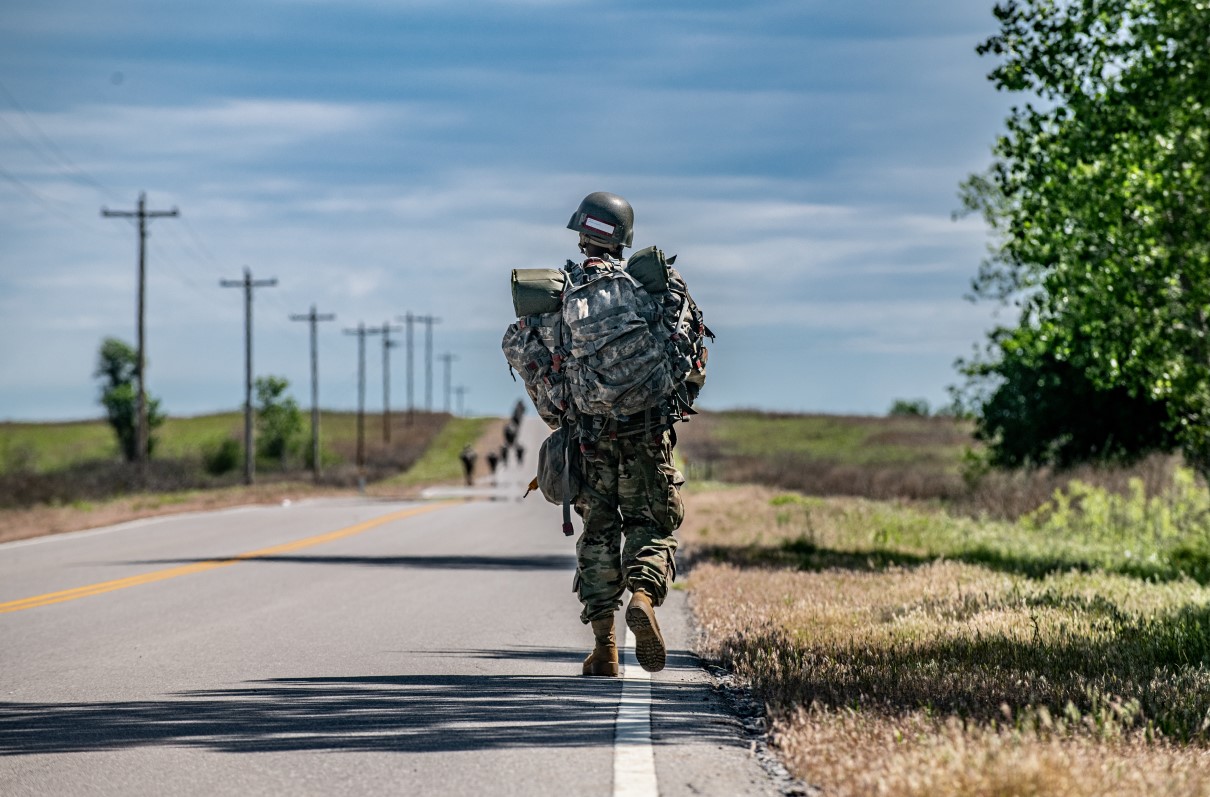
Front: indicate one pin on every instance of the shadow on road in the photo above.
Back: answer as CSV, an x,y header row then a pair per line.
x,y
530,653
538,562
406,714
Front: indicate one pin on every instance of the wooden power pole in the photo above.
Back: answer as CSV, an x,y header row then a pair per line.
x,y
314,318
387,345
361,332
143,431
247,283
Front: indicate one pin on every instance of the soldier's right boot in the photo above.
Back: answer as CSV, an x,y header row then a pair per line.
x,y
604,657
649,646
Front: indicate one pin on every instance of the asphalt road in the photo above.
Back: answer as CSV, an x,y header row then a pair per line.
x,y
333,647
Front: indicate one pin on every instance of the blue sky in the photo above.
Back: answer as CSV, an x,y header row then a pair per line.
x,y
378,157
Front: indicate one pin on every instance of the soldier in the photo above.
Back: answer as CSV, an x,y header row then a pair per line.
x,y
468,457
493,461
632,505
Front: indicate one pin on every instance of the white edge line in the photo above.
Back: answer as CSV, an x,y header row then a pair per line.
x,y
633,756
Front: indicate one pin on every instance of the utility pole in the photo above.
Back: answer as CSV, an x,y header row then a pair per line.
x,y
461,391
247,283
314,318
447,358
142,432
387,345
409,319
361,332
428,321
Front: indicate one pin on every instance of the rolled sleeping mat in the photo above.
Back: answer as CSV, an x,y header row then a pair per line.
x,y
537,291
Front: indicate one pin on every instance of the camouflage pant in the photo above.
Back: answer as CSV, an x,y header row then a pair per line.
x,y
630,513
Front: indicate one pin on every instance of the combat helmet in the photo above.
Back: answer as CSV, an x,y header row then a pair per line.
x,y
605,218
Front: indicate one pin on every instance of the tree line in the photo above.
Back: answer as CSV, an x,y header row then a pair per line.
x,y
1098,198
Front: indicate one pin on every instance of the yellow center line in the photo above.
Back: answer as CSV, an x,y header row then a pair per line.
x,y
210,564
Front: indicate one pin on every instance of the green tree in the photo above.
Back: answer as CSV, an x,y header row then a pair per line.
x,y
117,367
1034,409
1099,194
913,408
278,418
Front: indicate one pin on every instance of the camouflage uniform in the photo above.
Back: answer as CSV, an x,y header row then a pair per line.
x,y
630,512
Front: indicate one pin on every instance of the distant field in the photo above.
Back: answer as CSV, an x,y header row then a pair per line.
x,y
48,447
911,457
853,440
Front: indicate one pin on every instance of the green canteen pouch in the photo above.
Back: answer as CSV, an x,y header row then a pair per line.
x,y
649,267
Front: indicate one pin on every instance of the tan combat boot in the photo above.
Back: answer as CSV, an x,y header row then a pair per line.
x,y
648,641
604,657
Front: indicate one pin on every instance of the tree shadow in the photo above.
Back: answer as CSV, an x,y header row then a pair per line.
x,y
454,562
400,713
675,659
802,554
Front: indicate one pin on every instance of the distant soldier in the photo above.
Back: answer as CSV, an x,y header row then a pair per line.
x,y
518,411
519,450
510,433
504,455
468,457
493,461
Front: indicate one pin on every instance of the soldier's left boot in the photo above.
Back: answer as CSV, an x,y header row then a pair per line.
x,y
649,646
604,657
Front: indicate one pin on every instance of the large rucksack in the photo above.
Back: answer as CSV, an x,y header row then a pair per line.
x,y
618,363
597,343
608,341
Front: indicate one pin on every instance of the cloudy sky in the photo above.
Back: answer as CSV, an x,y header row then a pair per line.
x,y
379,157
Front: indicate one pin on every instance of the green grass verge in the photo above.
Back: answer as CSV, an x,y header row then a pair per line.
x,y
440,461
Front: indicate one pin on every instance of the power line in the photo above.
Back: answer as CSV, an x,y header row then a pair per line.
x,y
247,283
47,204
57,158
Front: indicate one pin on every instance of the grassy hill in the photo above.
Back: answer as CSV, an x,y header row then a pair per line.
x,y
68,462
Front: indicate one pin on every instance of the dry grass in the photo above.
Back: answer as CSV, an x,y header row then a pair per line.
x,y
906,652
852,753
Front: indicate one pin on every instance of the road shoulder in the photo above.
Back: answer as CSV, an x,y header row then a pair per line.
x,y
702,746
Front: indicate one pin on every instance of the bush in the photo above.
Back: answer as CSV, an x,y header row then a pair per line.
x,y
222,456
912,408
